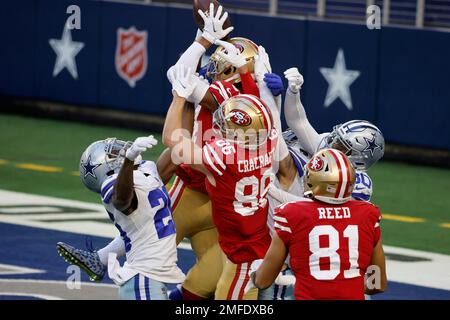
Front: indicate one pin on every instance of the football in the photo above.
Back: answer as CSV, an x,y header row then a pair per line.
x,y
204,6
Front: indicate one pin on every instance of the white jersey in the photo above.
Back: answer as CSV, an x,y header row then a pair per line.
x,y
300,158
148,232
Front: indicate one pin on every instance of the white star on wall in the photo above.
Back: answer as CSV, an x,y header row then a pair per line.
x,y
66,50
339,80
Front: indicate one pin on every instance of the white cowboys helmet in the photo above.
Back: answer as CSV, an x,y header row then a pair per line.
x,y
361,141
102,159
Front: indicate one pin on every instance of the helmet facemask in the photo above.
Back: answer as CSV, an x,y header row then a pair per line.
x,y
115,153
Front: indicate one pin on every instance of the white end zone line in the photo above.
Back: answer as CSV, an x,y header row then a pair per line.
x,y
432,273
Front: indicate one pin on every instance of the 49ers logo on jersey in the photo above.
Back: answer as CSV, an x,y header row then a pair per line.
x,y
240,117
316,164
131,54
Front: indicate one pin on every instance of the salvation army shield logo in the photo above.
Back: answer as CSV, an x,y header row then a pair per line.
x,y
131,55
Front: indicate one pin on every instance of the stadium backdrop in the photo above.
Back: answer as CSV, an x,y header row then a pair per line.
x,y
403,84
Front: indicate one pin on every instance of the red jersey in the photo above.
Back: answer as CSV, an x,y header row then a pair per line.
x,y
221,90
330,246
239,198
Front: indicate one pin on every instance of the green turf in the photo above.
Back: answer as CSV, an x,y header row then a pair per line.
x,y
53,143
400,189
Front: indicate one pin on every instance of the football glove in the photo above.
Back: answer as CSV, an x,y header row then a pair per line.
x,y
274,83
182,80
231,54
213,29
295,79
262,64
140,145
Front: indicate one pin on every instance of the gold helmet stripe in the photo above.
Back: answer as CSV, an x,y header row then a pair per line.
x,y
344,174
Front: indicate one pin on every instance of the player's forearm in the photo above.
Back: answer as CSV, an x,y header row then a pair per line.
x,y
123,188
166,168
177,139
281,195
193,54
174,122
248,83
272,264
282,151
379,260
296,119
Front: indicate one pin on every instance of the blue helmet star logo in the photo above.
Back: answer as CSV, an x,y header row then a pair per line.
x,y
89,168
371,145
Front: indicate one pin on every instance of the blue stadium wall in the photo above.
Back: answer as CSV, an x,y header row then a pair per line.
x,y
403,83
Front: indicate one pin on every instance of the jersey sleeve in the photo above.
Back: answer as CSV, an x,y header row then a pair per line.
x,y
248,84
376,220
213,158
107,189
222,90
363,187
283,223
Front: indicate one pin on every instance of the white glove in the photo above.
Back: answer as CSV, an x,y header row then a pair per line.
x,y
213,29
231,54
295,79
181,79
262,64
140,145
285,280
201,87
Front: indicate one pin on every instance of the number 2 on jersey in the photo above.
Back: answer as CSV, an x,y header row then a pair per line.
x,y
330,252
163,217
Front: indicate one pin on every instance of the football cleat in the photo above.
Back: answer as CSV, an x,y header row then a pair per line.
x,y
86,260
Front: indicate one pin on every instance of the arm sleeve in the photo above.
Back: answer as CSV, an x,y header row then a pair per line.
x,y
249,85
213,159
296,119
222,90
377,227
192,55
281,151
107,189
282,225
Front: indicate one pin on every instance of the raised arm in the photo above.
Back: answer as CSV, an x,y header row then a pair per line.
x,y
233,56
177,139
212,31
124,198
295,114
283,163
